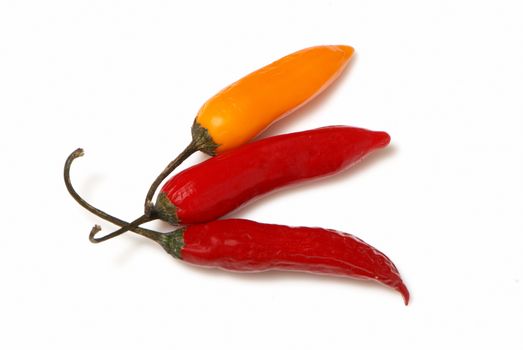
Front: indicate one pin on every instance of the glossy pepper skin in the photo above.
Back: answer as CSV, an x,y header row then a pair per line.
x,y
248,246
213,188
242,110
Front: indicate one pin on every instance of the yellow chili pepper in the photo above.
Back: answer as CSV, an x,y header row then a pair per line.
x,y
245,108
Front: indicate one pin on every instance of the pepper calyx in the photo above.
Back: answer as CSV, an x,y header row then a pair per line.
x,y
173,242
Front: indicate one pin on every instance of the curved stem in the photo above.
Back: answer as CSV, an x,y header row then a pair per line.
x,y
141,220
154,235
190,149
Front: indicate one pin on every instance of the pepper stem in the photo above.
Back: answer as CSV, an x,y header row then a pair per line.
x,y
154,235
141,220
190,149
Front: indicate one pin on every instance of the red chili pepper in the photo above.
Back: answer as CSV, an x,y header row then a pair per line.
x,y
243,245
213,188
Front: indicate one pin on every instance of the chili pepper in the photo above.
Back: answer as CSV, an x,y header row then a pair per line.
x,y
244,109
213,188
248,246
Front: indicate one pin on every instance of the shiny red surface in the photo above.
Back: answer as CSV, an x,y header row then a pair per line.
x,y
213,188
243,245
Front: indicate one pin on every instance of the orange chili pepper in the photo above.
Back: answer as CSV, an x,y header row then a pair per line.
x,y
245,108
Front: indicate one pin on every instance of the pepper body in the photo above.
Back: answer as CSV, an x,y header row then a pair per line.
x,y
215,187
242,110
248,246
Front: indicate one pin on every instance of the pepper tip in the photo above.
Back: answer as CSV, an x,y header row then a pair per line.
x,y
404,293
382,139
348,50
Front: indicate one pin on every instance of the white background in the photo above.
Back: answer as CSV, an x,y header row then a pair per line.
x,y
124,80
